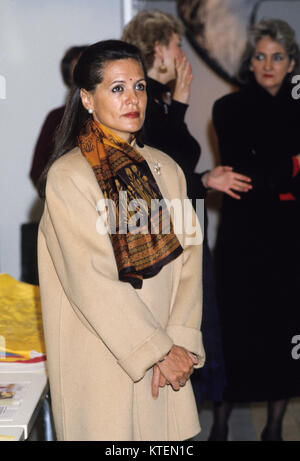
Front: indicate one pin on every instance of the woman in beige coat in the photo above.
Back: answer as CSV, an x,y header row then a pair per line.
x,y
121,309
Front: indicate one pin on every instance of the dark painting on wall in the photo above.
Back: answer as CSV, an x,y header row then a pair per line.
x,y
217,29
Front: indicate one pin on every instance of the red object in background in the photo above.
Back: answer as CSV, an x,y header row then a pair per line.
x,y
296,169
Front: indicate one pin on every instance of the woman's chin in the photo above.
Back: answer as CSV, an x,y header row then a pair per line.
x,y
133,125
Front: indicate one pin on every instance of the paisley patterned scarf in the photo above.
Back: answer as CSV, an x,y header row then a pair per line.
x,y
126,180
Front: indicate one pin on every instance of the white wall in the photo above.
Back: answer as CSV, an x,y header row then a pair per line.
x,y
287,10
34,34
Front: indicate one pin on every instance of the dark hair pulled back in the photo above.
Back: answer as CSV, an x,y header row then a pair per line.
x,y
88,73
70,58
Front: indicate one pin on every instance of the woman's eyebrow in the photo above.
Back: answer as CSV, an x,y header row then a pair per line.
x,y
117,81
124,81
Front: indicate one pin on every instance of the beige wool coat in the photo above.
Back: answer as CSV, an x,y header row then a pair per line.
x,y
103,336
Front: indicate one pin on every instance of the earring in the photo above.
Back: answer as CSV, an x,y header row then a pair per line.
x,y
162,69
90,111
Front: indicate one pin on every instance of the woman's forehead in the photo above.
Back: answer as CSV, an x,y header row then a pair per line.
x,y
268,44
128,69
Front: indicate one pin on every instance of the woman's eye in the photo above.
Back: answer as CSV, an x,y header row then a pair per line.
x,y
278,57
140,86
117,89
259,57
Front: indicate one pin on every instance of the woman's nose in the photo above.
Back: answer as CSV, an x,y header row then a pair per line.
x,y
268,63
132,97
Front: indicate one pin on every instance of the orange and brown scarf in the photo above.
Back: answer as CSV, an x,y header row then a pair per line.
x,y
118,167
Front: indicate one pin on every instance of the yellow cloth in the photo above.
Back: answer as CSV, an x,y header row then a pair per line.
x,y
21,328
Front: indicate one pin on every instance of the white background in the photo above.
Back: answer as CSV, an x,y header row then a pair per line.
x,y
34,35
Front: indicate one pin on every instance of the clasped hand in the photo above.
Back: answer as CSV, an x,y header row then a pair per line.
x,y
175,370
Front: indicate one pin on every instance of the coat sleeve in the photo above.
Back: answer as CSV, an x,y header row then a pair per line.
x,y
185,319
169,133
85,265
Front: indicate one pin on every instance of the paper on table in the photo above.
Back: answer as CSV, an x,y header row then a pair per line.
x,y
11,397
7,438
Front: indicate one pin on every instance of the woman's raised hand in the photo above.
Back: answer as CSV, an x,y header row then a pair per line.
x,y
184,79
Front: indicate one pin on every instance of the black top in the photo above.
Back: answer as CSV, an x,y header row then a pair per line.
x,y
165,129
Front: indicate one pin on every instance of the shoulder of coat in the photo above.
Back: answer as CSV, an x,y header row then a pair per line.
x,y
230,98
73,161
74,167
229,104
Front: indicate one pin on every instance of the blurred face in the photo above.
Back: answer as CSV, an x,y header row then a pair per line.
x,y
171,53
119,101
270,64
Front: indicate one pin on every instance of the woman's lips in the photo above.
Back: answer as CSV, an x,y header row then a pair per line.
x,y
132,115
268,75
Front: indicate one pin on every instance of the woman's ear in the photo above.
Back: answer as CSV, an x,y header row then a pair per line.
x,y
291,66
158,51
86,99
